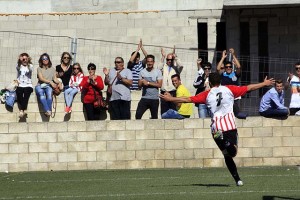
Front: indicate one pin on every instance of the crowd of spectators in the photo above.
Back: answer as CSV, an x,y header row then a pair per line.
x,y
142,74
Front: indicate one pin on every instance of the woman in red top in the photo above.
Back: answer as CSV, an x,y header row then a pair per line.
x,y
91,86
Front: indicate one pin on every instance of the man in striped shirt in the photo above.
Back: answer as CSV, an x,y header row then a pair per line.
x,y
136,65
219,99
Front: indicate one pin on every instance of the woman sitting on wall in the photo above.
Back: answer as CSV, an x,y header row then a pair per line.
x,y
46,81
24,89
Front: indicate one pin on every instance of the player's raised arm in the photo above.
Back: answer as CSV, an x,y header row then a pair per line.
x,y
168,97
267,82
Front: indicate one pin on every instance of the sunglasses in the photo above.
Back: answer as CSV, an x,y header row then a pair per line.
x,y
169,59
45,58
66,58
75,68
297,68
226,67
118,62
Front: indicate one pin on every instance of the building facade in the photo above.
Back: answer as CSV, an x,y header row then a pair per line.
x,y
265,35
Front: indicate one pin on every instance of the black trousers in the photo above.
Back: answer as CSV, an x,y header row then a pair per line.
x,y
228,146
90,111
166,105
119,109
145,104
23,94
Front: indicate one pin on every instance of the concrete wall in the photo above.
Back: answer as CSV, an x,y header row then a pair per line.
x,y
121,31
53,6
143,144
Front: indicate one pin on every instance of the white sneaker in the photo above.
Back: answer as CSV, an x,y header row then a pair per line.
x,y
21,114
239,183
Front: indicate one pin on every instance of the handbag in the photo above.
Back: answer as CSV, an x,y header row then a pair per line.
x,y
56,90
109,89
99,101
10,97
58,87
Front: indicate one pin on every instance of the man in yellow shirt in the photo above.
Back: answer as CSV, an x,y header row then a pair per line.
x,y
184,110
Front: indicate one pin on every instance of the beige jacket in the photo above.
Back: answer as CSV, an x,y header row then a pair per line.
x,y
167,74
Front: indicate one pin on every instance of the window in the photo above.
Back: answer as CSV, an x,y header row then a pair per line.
x,y
202,41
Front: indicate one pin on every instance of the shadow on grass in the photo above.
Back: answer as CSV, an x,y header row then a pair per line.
x,y
278,197
210,185
204,185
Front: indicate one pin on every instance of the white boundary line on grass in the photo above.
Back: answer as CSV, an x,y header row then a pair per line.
x,y
142,178
142,194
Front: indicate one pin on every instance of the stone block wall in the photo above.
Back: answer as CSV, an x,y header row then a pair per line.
x,y
139,144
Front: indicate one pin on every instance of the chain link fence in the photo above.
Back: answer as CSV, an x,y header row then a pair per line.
x,y
102,53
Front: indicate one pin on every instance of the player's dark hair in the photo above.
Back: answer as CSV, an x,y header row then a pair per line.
x,y
214,79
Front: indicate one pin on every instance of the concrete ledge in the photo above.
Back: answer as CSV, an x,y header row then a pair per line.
x,y
134,144
36,114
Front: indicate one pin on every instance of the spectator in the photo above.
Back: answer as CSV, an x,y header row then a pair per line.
x,y
46,81
294,82
136,65
25,88
231,76
202,84
223,128
171,67
150,80
120,79
184,110
91,86
272,103
74,88
64,70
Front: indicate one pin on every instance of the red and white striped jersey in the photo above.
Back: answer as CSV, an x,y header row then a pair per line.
x,y
75,80
220,101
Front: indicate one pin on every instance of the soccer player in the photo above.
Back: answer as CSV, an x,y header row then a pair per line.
x,y
219,99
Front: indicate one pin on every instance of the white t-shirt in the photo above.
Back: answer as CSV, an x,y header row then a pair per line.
x,y
295,88
24,75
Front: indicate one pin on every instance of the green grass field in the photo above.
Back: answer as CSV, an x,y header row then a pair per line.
x,y
266,183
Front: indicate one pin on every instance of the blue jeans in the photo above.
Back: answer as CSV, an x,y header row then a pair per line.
x,y
171,114
45,96
69,95
275,113
203,112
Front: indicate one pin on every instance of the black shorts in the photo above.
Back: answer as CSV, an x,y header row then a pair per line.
x,y
230,136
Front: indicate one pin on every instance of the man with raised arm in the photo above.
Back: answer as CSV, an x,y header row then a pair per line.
x,y
219,99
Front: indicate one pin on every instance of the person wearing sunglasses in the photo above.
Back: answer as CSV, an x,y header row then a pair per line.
x,y
294,82
169,68
229,68
91,87
120,79
74,88
47,80
201,83
25,88
64,69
